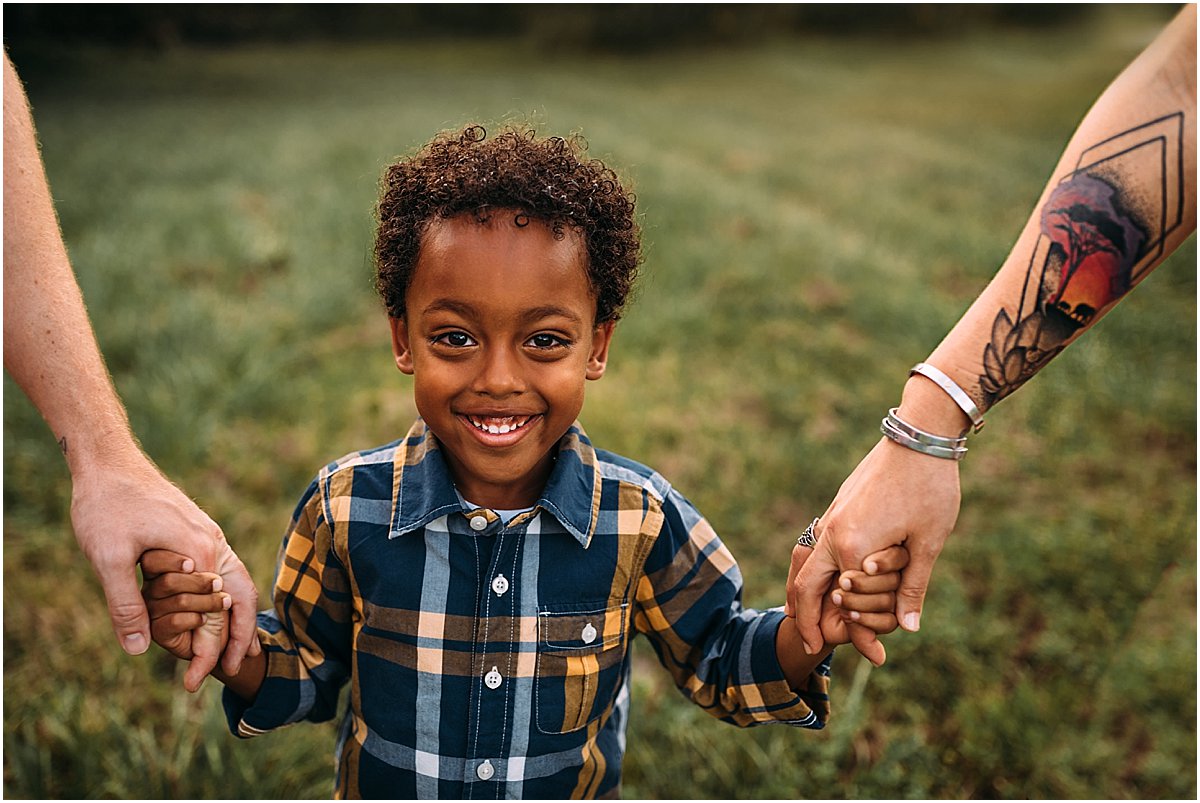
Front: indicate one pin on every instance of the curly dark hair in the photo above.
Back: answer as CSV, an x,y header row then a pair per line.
x,y
544,178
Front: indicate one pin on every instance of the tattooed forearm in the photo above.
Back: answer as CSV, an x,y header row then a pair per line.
x,y
1102,228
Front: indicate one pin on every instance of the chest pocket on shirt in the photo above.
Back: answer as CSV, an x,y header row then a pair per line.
x,y
579,663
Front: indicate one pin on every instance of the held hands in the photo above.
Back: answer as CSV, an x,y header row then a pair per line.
x,y
188,613
118,513
894,497
861,604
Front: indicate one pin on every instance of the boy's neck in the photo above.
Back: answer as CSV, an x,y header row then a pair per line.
x,y
517,494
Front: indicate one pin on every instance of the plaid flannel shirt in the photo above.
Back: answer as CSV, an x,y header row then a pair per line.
x,y
490,660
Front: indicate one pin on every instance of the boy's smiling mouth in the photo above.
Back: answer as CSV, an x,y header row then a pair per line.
x,y
492,426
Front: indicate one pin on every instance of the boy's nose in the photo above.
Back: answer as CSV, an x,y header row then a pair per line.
x,y
500,374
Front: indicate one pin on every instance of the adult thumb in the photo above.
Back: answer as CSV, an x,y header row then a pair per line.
x,y
910,596
127,612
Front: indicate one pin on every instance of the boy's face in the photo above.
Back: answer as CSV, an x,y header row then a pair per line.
x,y
499,335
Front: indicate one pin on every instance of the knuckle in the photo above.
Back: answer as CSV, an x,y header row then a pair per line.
x,y
126,614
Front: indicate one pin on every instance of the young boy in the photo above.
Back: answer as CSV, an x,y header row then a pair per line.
x,y
479,581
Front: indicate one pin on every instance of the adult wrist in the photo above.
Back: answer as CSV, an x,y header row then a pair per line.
x,y
926,406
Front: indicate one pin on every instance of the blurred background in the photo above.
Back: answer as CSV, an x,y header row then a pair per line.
x,y
824,190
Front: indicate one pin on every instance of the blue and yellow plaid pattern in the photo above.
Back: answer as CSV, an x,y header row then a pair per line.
x,y
492,661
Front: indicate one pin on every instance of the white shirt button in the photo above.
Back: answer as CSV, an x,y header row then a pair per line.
x,y
485,771
589,633
493,679
500,585
478,523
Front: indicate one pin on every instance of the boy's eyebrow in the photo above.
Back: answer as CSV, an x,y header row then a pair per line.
x,y
532,314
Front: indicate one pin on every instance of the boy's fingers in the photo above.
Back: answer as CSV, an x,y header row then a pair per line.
x,y
172,583
198,603
160,561
865,642
863,583
878,623
892,559
172,624
866,603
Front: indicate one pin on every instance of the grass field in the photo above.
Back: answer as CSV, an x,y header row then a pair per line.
x,y
817,212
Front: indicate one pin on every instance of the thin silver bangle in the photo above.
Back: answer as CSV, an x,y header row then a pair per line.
x,y
956,393
941,441
899,431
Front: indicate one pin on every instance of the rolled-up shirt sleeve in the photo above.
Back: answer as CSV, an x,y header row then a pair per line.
x,y
307,635
720,655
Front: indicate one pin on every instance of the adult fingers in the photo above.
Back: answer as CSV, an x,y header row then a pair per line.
x,y
799,556
161,561
243,636
806,591
125,607
914,582
207,641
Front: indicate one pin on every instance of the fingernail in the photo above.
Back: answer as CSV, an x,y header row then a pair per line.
x,y
226,602
855,615
188,565
808,648
134,644
836,597
845,583
912,621
871,567
218,584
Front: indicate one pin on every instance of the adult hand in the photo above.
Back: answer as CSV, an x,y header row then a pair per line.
x,y
894,496
118,513
862,604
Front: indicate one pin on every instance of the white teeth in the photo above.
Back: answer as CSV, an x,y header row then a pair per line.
x,y
505,425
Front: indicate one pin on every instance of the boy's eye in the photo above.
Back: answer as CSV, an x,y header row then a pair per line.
x,y
454,339
546,341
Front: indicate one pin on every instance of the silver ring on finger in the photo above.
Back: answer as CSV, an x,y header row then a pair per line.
x,y
808,538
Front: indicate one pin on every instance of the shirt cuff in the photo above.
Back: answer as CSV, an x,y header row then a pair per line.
x,y
275,704
777,701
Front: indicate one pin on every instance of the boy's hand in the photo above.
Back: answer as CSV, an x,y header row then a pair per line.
x,y
861,604
188,613
865,599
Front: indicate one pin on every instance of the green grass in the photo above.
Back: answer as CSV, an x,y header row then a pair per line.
x,y
817,214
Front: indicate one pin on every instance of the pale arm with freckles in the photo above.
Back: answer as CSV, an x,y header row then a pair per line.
x,y
121,504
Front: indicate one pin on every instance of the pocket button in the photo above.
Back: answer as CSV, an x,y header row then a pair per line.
x,y
588,634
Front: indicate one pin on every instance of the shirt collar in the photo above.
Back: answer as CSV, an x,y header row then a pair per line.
x,y
422,490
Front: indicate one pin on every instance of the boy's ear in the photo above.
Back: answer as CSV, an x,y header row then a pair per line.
x,y
400,345
598,359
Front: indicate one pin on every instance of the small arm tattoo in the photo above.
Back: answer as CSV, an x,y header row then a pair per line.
x,y
1102,228
62,444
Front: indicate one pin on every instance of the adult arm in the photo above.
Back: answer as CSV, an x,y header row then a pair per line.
x,y
121,504
1121,199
